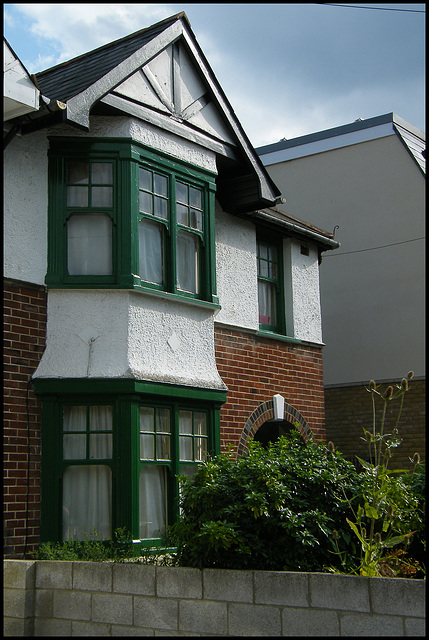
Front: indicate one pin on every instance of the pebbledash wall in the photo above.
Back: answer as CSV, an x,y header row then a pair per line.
x,y
43,331
46,598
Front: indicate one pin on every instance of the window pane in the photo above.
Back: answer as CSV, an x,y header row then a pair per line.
x,y
163,447
163,420
147,419
200,445
89,244
195,198
181,192
182,214
200,423
145,179
267,303
100,418
196,219
102,173
160,185
87,502
161,207
152,501
151,255
185,448
101,197
77,196
74,418
185,422
147,446
100,446
145,202
78,172
74,447
187,262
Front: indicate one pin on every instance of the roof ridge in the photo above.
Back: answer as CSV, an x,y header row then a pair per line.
x,y
114,43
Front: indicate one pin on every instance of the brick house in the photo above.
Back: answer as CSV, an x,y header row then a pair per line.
x,y
369,179
158,305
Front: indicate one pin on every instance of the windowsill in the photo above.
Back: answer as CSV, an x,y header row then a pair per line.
x,y
277,336
174,297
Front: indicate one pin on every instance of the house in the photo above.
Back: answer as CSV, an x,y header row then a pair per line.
x,y
366,181
140,226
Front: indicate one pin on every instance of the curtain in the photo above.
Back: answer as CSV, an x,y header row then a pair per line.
x,y
153,501
87,502
150,252
89,244
267,303
87,489
187,261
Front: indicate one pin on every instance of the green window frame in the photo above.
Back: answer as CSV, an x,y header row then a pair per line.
x,y
123,439
270,285
122,215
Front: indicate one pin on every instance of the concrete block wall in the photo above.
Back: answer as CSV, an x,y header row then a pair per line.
x,y
44,598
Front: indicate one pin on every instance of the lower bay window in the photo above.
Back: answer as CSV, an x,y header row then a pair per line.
x,y
112,460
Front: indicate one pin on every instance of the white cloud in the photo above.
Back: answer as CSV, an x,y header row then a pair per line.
x,y
73,29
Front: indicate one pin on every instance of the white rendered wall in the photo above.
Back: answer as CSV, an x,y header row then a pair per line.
x,y
25,208
237,280
125,334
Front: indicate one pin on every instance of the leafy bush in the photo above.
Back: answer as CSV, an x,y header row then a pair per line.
x,y
274,508
294,507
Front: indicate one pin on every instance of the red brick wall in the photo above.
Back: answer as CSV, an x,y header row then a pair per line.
x,y
255,368
348,409
24,342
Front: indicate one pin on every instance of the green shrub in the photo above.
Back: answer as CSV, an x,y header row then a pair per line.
x,y
91,549
273,509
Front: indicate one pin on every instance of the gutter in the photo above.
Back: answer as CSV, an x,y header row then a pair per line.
x,y
318,237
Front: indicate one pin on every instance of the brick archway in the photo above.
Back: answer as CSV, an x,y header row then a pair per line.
x,y
265,412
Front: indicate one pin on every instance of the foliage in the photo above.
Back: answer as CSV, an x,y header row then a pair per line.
x,y
274,508
90,549
387,510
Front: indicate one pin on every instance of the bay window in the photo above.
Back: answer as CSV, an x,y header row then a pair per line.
x,y
112,460
122,215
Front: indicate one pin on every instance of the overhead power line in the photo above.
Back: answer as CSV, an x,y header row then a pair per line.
x,y
394,244
355,6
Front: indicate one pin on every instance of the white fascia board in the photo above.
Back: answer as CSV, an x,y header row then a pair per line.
x,y
328,144
20,94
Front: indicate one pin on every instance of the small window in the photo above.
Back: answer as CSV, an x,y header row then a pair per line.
x,y
269,285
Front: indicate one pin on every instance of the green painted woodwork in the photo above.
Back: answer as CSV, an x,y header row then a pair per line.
x,y
127,156
126,397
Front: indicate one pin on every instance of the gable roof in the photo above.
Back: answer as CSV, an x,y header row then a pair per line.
x,y
346,135
130,75
68,79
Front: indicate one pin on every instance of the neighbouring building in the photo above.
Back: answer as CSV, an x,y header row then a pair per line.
x,y
367,178
159,307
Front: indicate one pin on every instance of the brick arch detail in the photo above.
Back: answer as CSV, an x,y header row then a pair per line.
x,y
265,412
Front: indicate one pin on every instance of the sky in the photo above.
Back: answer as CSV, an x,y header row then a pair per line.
x,y
287,69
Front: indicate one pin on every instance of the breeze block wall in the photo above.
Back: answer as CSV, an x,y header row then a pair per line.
x,y
349,409
255,368
57,598
24,342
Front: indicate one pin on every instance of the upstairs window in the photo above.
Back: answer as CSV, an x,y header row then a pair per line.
x,y
121,215
269,286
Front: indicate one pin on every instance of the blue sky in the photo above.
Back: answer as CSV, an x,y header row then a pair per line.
x,y
287,69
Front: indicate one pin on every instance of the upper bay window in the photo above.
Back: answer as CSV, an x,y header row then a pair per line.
x,y
121,215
